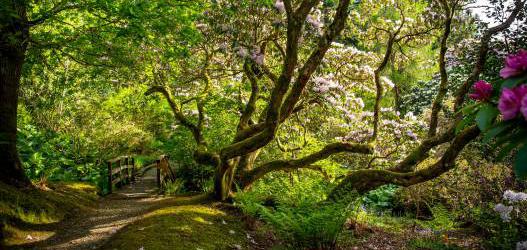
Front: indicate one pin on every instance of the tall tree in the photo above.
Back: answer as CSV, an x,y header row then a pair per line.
x,y
14,38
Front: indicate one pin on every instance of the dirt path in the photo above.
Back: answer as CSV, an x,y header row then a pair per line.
x,y
92,230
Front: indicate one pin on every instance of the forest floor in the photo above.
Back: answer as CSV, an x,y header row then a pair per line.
x,y
136,217
179,222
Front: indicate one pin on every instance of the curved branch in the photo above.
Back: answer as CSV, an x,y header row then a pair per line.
x,y
314,60
64,5
420,153
196,132
378,85
362,181
305,162
438,101
250,107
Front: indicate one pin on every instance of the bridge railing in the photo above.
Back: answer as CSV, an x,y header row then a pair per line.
x,y
164,172
121,170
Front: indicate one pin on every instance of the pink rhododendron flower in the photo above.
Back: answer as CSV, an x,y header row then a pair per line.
x,y
510,101
523,108
482,91
515,64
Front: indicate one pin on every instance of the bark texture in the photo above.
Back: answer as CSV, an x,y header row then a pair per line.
x,y
14,35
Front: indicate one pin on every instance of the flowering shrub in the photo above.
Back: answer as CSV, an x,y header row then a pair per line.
x,y
501,111
513,200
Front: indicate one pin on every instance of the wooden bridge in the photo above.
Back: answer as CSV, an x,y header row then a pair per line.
x,y
123,171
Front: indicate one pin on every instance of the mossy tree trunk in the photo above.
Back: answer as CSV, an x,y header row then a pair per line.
x,y
14,36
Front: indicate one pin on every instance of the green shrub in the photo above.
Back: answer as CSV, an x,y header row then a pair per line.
x,y
174,187
195,177
498,234
381,199
430,244
442,219
307,225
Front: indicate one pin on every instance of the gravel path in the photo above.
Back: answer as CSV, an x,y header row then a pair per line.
x,y
124,206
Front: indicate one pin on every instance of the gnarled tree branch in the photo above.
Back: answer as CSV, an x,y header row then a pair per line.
x,y
362,181
305,162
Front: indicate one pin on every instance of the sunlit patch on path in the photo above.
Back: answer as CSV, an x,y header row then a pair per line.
x,y
92,230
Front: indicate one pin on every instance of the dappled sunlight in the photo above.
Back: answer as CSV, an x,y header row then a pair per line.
x,y
263,124
19,236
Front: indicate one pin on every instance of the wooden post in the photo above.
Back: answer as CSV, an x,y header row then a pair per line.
x,y
133,170
126,170
158,174
120,172
109,177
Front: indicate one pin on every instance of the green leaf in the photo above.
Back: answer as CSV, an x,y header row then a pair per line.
x,y
463,123
506,150
513,82
469,109
520,164
485,116
513,137
497,130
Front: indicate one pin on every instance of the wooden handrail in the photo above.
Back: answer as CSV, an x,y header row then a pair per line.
x,y
163,172
122,173
121,170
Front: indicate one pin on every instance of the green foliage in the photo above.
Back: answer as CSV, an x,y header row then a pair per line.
x,y
194,177
47,155
498,234
442,219
485,116
174,187
430,244
381,199
304,226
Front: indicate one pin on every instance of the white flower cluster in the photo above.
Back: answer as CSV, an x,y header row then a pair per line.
x,y
504,211
314,20
242,52
257,56
521,245
514,197
279,5
324,85
387,82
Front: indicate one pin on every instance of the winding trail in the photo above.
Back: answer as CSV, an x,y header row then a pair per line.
x,y
113,212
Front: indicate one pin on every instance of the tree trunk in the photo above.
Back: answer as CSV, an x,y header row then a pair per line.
x,y
222,185
14,34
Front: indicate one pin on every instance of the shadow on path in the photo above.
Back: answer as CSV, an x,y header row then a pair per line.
x,y
113,212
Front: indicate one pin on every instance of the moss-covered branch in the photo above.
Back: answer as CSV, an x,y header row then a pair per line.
x,y
438,101
178,114
316,57
362,181
305,162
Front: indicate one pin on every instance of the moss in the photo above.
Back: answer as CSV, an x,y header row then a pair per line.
x,y
27,212
188,226
17,236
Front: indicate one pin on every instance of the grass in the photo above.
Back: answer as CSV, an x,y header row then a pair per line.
x,y
430,244
190,225
26,213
